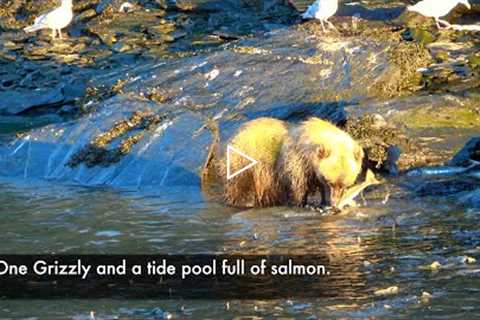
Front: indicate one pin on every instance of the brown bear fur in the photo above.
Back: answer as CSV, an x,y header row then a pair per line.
x,y
293,163
317,155
259,186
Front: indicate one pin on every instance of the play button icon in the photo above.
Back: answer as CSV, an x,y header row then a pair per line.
x,y
230,151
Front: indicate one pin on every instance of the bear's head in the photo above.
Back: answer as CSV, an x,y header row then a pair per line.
x,y
337,163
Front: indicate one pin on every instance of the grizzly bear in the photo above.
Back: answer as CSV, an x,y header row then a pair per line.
x,y
293,163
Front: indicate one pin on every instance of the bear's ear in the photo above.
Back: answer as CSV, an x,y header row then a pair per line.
x,y
322,152
358,154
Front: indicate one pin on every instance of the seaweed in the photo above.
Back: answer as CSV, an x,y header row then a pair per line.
x,y
97,153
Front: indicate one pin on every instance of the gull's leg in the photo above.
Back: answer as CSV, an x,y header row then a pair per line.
x,y
323,26
331,25
60,33
54,33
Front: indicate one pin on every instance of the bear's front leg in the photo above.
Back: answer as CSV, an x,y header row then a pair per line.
x,y
300,198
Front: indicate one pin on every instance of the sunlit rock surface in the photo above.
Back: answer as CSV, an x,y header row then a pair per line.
x,y
289,74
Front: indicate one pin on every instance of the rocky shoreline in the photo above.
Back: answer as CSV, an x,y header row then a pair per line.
x,y
398,84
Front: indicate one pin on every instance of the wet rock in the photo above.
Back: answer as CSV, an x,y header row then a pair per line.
x,y
387,291
470,198
285,74
16,102
471,151
451,115
382,142
186,5
97,153
425,297
103,5
468,260
163,4
121,47
434,266
429,128
474,60
420,35
131,28
85,15
80,6
452,187
68,110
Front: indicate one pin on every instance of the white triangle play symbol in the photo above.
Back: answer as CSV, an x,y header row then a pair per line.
x,y
231,149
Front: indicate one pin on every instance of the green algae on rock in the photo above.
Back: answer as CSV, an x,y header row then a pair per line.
x,y
465,116
404,76
405,57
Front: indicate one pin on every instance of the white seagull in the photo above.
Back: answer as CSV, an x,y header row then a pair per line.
x,y
322,10
437,8
56,19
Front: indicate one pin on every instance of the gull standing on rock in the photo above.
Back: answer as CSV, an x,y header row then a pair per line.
x,y
56,19
322,10
437,8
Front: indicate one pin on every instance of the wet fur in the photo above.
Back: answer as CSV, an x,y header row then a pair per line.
x,y
293,163
259,186
318,156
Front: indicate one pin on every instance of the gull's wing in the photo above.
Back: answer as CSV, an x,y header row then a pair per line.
x,y
321,9
41,22
311,10
434,8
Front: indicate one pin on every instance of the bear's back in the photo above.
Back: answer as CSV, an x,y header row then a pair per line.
x,y
261,139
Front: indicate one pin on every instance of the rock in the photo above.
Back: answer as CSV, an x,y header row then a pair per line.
x,y
163,4
80,6
425,297
422,143
102,6
382,142
470,198
468,260
16,102
121,47
471,151
186,5
85,15
74,90
68,110
387,291
435,265
286,74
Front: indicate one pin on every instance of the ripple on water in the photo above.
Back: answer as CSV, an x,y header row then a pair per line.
x,y
367,252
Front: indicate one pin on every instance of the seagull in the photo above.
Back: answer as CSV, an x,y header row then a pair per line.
x,y
437,8
322,10
56,19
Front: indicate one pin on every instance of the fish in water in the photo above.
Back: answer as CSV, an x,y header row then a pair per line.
x,y
56,19
436,9
322,10
442,170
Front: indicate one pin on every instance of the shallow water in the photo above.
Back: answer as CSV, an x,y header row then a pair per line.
x,y
40,217
379,244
